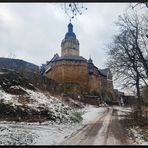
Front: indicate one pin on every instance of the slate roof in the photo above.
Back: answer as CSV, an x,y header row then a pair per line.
x,y
53,59
90,61
56,56
71,58
70,32
104,71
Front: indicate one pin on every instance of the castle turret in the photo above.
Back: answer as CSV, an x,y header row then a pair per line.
x,y
70,44
90,66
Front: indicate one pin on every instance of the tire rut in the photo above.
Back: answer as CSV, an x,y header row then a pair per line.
x,y
87,134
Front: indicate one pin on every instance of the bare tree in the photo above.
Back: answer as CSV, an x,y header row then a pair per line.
x,y
136,27
73,9
123,62
128,52
143,4
12,55
139,7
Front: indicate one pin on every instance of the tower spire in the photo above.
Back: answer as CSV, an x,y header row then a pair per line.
x,y
90,61
70,27
90,56
72,48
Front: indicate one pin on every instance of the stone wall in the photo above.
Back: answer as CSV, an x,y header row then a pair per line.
x,y
70,47
75,76
94,83
69,52
70,72
110,84
103,81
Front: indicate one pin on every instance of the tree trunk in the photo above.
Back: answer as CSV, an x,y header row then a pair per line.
x,y
139,101
138,90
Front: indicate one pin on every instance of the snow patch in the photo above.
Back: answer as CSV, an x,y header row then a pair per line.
x,y
91,113
8,98
46,133
2,73
15,87
123,112
37,101
103,105
136,135
103,130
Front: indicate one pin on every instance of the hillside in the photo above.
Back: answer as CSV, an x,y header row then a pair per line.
x,y
18,65
20,100
26,95
28,71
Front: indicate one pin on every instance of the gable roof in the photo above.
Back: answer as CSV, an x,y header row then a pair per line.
x,y
56,56
104,71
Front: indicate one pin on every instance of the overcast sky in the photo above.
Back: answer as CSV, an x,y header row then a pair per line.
x,y
34,31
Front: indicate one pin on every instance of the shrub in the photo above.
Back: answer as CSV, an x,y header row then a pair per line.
x,y
76,117
94,93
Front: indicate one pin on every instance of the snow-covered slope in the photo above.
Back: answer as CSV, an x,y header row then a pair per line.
x,y
45,133
37,102
43,119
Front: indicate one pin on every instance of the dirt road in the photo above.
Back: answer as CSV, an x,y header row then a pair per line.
x,y
105,130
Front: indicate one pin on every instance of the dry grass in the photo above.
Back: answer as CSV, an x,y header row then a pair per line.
x,y
23,100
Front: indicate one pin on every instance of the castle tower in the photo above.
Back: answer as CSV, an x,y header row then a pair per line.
x,y
70,44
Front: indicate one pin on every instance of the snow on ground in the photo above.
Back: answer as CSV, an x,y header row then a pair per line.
x,y
23,134
145,143
8,98
101,134
37,100
50,133
135,133
2,73
123,111
91,113
46,133
103,105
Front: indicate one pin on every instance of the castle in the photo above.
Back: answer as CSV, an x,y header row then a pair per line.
x,y
73,69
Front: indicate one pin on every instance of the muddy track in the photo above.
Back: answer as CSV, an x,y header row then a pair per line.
x,y
105,130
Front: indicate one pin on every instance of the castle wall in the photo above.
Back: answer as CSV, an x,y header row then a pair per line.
x,y
70,72
76,72
103,81
94,83
110,84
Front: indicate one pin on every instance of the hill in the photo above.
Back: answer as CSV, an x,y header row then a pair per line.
x,y
18,65
20,100
28,71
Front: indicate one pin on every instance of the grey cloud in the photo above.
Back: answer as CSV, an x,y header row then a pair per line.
x,y
34,31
